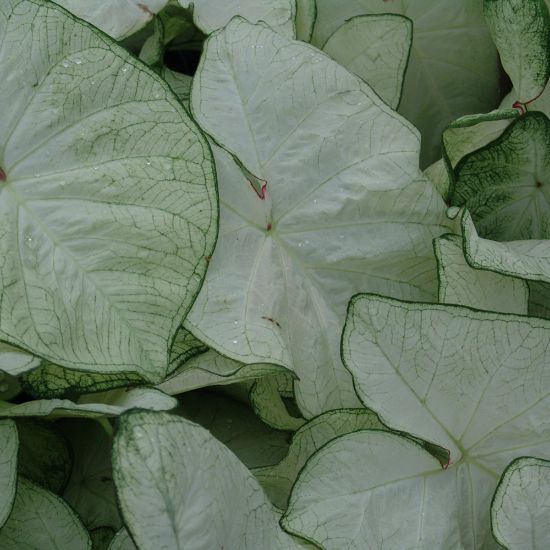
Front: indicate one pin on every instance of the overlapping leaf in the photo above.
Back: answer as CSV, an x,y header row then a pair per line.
x,y
327,200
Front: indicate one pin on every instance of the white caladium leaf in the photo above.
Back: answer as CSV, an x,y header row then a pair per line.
x,y
122,541
44,455
117,18
8,467
108,203
521,32
437,174
210,15
180,83
213,369
255,443
473,382
90,490
506,184
39,520
211,499
520,510
376,48
463,285
15,361
328,200
112,403
306,13
278,480
453,65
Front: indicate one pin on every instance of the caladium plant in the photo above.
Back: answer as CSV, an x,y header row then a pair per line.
x,y
234,311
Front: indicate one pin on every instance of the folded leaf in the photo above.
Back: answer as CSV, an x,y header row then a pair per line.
x,y
520,510
8,467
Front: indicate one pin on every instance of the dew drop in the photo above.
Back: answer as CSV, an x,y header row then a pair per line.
x,y
148,163
78,61
65,64
28,238
235,341
124,69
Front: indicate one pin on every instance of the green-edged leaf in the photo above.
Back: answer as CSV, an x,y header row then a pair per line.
x,y
44,455
210,15
528,260
122,541
462,285
471,132
111,403
91,490
473,382
453,65
108,206
330,215
521,32
49,381
184,348
376,48
306,13
178,486
278,480
234,424
520,510
15,361
266,396
372,490
8,467
40,520
117,19
506,185
213,369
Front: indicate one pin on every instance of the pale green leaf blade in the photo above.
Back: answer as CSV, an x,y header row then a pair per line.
x,y
337,507
180,83
278,480
505,185
122,541
117,19
373,490
184,348
112,403
213,369
306,13
520,510
463,285
15,361
521,31
453,66
41,520
90,489
234,424
211,501
473,382
108,205
376,48
211,15
438,175
44,455
291,251
8,467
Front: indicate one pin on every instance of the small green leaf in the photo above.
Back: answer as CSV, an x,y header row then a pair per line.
x,y
122,541
178,486
520,510
506,184
521,31
376,48
41,520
